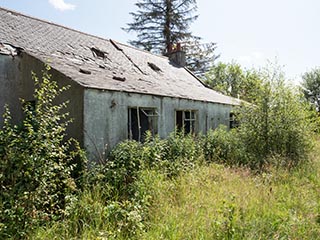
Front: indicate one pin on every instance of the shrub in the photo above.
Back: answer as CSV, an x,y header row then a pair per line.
x,y
122,168
276,124
153,151
224,146
181,153
36,163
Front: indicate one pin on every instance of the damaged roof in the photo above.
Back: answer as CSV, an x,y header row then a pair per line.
x,y
94,62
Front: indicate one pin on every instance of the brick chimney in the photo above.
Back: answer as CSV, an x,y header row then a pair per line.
x,y
177,55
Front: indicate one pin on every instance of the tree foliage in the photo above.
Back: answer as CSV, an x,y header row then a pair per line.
x,y
276,124
161,24
37,163
232,80
200,56
311,87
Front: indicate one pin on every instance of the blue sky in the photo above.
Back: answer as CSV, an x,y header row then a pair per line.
x,y
247,31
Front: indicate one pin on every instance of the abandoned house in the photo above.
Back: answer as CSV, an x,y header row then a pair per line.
x,y
117,92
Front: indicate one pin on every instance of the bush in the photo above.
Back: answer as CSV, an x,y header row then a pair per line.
x,y
37,164
276,124
224,146
153,151
181,153
123,166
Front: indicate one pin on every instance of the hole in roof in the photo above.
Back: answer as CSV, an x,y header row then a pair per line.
x,y
84,71
122,79
8,49
98,53
154,67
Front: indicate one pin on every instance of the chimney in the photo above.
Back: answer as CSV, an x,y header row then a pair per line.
x,y
177,55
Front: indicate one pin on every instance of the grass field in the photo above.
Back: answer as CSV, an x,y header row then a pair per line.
x,y
209,202
217,202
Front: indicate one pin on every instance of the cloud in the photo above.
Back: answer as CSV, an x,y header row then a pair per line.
x,y
61,5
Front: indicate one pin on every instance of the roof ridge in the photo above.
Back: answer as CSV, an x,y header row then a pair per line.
x,y
139,49
51,23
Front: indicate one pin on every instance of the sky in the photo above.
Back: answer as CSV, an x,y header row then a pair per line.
x,y
249,32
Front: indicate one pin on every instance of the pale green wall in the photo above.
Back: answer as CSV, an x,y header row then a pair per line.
x,y
16,82
106,117
10,86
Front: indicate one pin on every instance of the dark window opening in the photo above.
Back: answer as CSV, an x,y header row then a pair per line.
x,y
186,121
233,123
140,121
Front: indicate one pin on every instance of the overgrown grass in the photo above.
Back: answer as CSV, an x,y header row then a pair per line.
x,y
218,202
211,201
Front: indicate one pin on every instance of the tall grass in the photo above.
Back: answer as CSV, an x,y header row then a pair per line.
x,y
218,202
209,201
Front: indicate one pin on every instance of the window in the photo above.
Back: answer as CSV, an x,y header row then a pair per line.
x,y
140,121
233,121
186,121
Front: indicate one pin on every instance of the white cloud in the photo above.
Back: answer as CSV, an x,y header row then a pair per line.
x,y
62,5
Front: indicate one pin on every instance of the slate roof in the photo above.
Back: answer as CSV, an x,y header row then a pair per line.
x,y
94,62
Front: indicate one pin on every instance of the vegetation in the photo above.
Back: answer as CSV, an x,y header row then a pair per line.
x,y
257,181
38,167
277,123
311,87
218,202
161,24
155,197
232,80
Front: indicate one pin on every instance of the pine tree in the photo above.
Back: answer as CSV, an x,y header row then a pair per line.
x,y
159,24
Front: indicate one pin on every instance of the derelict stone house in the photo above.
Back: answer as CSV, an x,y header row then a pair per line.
x,y
117,91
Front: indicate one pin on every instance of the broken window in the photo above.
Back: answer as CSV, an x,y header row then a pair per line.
x,y
140,121
186,121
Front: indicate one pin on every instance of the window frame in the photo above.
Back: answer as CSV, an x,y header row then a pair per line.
x,y
192,120
152,119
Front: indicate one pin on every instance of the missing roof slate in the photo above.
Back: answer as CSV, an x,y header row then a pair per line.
x,y
97,53
122,79
154,67
8,49
84,71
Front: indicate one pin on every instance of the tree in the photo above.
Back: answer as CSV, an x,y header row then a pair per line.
x,y
311,87
277,124
200,57
160,24
232,80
